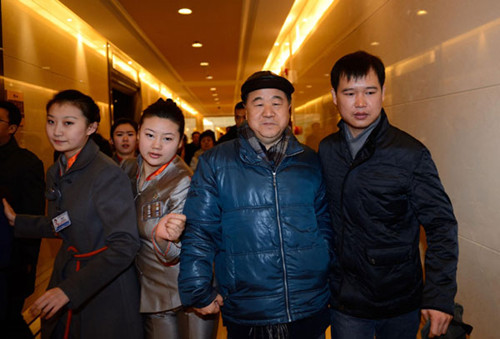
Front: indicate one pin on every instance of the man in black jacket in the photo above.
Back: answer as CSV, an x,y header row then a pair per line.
x,y
22,184
240,114
382,185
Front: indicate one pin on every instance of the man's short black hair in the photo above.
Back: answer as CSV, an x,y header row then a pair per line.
x,y
357,65
239,105
15,116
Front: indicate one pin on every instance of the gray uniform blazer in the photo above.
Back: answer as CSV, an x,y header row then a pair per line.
x,y
102,288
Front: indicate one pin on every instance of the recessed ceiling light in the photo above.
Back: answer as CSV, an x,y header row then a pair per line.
x,y
197,44
204,63
326,74
287,44
130,62
185,11
215,94
308,86
213,89
209,77
69,20
375,43
422,12
276,44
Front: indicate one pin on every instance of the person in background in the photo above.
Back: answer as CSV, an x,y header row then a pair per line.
x,y
207,141
313,139
240,114
192,147
160,182
182,150
124,139
257,208
93,291
22,183
382,185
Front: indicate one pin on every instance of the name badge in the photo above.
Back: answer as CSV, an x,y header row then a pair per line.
x,y
152,210
61,221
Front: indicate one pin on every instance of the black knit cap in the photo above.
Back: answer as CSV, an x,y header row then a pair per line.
x,y
266,79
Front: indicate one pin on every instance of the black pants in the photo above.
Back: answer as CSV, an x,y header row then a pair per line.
x,y
313,327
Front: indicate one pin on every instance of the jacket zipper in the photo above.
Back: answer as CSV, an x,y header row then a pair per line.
x,y
285,281
352,164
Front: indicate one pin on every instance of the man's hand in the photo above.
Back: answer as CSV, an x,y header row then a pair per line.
x,y
49,303
439,322
170,227
9,212
212,308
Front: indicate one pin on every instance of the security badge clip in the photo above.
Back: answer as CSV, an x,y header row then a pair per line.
x,y
61,221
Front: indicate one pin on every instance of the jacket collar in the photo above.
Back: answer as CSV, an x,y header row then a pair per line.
x,y
369,147
173,163
86,156
248,154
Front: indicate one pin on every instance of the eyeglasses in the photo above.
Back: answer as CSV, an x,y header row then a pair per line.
x,y
7,122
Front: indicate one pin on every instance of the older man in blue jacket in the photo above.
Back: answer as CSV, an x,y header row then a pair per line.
x,y
257,208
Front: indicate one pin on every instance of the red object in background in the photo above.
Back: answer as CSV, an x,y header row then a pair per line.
x,y
297,130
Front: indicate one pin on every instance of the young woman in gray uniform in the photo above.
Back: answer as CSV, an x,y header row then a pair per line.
x,y
161,181
93,291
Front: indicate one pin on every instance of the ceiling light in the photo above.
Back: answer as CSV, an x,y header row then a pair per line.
x,y
197,44
308,86
213,89
375,43
69,20
215,94
130,62
203,63
422,12
185,11
209,77
276,44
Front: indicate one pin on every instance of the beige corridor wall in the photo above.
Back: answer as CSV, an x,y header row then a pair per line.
x,y
40,60
443,87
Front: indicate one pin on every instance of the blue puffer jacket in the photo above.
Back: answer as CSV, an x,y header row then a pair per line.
x,y
267,231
